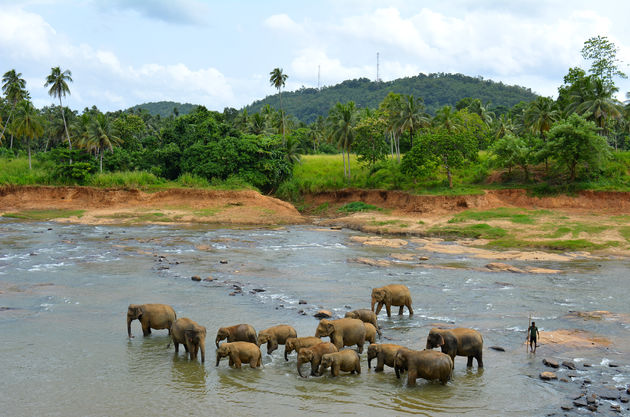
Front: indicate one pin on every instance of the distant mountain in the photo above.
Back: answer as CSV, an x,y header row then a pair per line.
x,y
436,90
165,108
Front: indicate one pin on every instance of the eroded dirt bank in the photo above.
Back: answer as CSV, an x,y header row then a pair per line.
x,y
173,205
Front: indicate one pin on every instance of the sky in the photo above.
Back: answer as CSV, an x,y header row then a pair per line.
x,y
220,53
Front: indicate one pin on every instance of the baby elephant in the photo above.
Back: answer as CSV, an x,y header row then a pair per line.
x,y
237,333
299,343
458,342
365,315
274,336
314,356
427,364
239,353
370,332
191,335
347,360
151,316
384,354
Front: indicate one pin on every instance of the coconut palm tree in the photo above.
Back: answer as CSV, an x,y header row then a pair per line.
x,y
411,116
58,82
102,136
341,121
28,125
445,119
600,106
277,79
540,115
14,88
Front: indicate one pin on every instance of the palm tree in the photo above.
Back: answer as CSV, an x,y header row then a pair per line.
x,y
540,115
504,126
341,121
14,87
28,125
390,107
600,106
411,116
57,81
445,119
476,106
277,79
102,136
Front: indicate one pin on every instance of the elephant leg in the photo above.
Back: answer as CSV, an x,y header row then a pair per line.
x,y
146,328
253,363
357,367
176,347
237,363
469,363
388,307
380,364
379,306
315,367
231,363
412,375
335,369
410,309
360,346
186,347
400,310
479,360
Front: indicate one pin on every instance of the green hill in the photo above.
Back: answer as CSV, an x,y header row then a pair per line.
x,y
165,108
436,90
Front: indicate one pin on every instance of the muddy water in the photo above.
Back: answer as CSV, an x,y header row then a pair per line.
x,y
65,290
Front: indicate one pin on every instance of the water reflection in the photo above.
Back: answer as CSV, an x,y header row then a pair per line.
x,y
188,375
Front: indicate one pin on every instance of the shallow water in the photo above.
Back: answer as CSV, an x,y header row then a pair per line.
x,y
65,290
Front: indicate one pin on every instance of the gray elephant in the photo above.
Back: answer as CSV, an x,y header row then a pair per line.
x,y
314,356
151,316
392,295
383,353
299,343
343,332
367,316
274,336
239,353
428,364
237,333
191,335
346,360
458,342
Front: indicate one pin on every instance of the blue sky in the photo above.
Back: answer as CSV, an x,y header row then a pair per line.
x,y
220,53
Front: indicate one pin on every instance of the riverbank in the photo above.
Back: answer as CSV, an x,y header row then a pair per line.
x,y
483,225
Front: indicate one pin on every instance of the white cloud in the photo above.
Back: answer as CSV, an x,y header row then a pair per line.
x,y
24,35
283,23
169,11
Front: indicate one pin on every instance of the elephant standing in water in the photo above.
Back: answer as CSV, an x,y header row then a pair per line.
x,y
314,356
427,364
237,333
191,335
392,295
458,342
274,336
151,316
346,360
299,343
384,354
343,332
367,316
239,353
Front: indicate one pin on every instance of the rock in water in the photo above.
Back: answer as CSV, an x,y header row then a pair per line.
x,y
568,364
323,314
548,376
196,278
497,348
551,363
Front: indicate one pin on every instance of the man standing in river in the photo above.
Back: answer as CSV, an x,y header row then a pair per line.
x,y
532,335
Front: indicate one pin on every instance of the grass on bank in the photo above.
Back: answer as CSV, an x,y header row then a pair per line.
x,y
44,215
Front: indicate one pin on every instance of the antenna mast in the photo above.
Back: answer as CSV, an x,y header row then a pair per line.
x,y
318,77
377,67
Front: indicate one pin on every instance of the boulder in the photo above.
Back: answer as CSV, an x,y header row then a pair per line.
x,y
258,290
606,393
615,407
208,279
302,302
223,261
497,348
551,363
195,278
548,376
569,365
323,314
423,258
580,402
501,267
566,407
371,262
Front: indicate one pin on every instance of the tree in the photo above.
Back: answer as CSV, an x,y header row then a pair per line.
x,y
28,125
102,136
440,148
598,105
575,141
277,79
603,53
341,121
445,119
369,143
411,116
540,115
390,107
14,88
58,82
511,150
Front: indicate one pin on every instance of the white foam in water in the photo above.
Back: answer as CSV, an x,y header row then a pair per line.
x,y
45,267
605,362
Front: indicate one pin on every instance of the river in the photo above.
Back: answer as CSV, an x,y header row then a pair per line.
x,y
64,351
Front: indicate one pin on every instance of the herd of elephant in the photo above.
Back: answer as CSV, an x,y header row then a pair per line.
x,y
357,327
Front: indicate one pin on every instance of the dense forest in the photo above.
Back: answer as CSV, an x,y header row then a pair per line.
x,y
437,90
397,142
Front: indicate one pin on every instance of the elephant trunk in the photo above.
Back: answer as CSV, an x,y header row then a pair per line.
x,y
285,354
372,305
129,320
397,369
217,341
218,358
202,347
369,362
299,367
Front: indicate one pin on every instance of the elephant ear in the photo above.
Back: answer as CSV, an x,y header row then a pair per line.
x,y
440,340
330,328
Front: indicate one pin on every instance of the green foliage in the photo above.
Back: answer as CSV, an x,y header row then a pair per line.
x,y
603,53
503,213
192,181
436,90
369,144
44,215
163,108
357,206
575,142
476,231
130,179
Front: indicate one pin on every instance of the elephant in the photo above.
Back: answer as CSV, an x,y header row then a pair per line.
x,y
274,336
314,356
370,332
392,295
427,364
384,354
346,360
191,335
237,333
458,342
240,352
367,316
343,332
151,316
298,343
